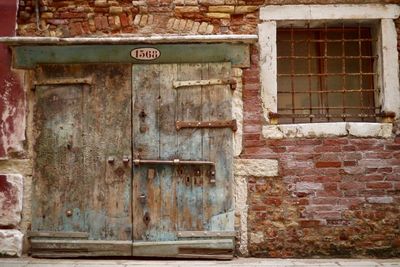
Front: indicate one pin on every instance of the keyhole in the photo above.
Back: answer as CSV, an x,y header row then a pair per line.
x,y
142,114
146,218
187,181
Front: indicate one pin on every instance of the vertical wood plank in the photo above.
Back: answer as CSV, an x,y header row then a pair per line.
x,y
217,105
146,145
190,195
168,150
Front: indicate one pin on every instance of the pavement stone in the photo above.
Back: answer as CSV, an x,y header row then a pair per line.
x,y
246,262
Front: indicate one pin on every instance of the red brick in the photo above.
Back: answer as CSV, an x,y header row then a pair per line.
x,y
76,29
275,201
351,186
330,178
349,148
378,155
330,186
327,149
303,142
349,163
369,178
335,141
392,147
310,223
124,20
324,200
71,15
380,185
328,164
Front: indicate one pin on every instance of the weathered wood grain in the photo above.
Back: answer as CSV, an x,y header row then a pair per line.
x,y
50,248
97,193
168,150
76,235
217,146
190,193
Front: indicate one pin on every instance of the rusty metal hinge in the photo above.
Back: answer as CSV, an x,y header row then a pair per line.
x,y
231,82
206,124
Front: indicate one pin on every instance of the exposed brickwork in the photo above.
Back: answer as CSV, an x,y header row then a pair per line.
x,y
340,199
333,196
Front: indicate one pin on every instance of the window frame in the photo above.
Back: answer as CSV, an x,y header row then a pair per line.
x,y
382,16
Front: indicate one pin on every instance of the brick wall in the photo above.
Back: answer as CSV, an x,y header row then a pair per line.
x,y
333,196
336,196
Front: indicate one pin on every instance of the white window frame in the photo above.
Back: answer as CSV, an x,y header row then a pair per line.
x,y
387,68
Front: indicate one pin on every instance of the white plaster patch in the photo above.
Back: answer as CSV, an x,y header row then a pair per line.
x,y
11,243
257,238
308,186
11,199
268,67
256,167
237,112
363,129
241,210
332,129
380,200
319,12
272,132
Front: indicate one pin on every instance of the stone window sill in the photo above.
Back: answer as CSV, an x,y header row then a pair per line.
x,y
331,129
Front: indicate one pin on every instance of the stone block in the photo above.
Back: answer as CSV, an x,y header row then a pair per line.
x,y
364,129
11,193
101,3
187,9
139,3
221,9
256,167
115,10
11,243
218,15
245,9
380,200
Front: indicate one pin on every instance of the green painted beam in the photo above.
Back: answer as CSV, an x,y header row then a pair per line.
x,y
29,56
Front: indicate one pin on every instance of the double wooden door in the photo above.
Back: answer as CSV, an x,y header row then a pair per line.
x,y
135,161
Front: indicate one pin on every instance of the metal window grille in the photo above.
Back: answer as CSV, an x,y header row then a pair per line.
x,y
326,74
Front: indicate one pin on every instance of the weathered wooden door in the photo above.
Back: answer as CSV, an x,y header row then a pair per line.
x,y
136,163
182,155
81,202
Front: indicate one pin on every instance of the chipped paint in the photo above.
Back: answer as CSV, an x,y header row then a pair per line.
x,y
12,98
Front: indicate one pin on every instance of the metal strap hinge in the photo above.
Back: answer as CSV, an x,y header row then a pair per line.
x,y
206,124
231,82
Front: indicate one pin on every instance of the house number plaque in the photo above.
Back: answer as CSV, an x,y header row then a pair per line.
x,y
145,53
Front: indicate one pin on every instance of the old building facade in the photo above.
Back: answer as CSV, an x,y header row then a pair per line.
x,y
270,123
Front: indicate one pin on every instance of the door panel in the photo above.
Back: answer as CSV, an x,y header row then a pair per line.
x,y
78,128
180,197
59,109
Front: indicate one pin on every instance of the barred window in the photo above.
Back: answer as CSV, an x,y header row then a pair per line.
x,y
326,74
